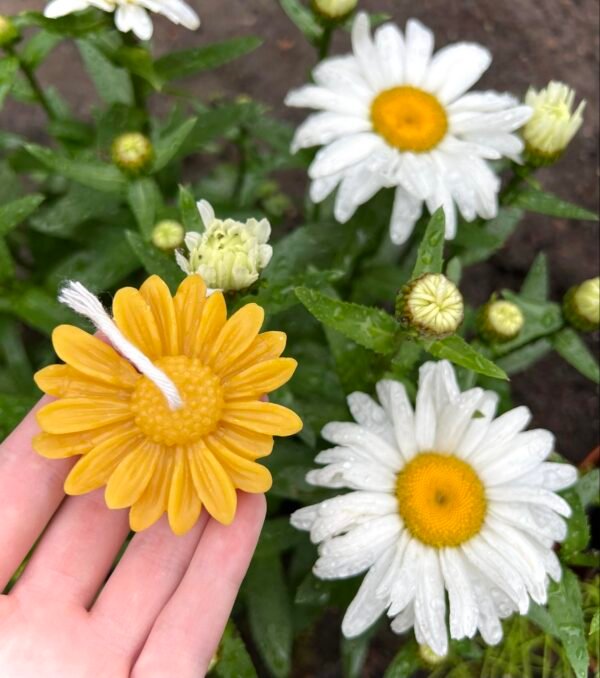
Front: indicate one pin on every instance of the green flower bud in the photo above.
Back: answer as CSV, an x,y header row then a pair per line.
x,y
581,305
168,235
500,321
132,152
8,31
432,305
229,255
553,123
334,9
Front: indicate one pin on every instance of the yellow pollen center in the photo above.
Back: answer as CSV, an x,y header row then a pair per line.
x,y
440,499
409,119
202,396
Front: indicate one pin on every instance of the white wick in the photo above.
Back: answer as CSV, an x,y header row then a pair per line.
x,y
82,301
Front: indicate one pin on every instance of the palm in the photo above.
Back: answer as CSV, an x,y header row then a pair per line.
x,y
161,611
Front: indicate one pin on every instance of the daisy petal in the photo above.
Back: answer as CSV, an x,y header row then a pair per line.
x,y
266,346
189,304
136,321
213,485
404,620
236,336
262,417
131,477
343,75
356,188
93,357
70,415
344,153
405,214
157,296
323,128
214,317
394,399
456,68
259,379
371,446
365,52
60,446
248,444
64,381
184,505
390,48
321,98
462,601
154,500
245,474
430,603
372,416
58,8
419,47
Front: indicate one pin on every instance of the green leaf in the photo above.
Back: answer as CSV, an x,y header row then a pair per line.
x,y
564,606
13,409
143,196
571,347
369,327
38,309
155,261
354,652
9,67
522,358
304,19
406,662
431,249
233,658
112,83
177,65
167,147
7,265
476,241
38,48
578,532
270,613
136,60
457,350
190,216
214,123
101,176
276,536
595,623
587,488
534,200
535,285
12,347
454,270
15,212
313,591
72,25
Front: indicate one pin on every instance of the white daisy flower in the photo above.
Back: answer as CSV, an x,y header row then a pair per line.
x,y
130,15
445,498
396,115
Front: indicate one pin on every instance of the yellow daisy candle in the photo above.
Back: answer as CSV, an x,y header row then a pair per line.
x,y
179,423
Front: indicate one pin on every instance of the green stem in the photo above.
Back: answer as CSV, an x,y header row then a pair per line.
x,y
520,174
33,82
325,42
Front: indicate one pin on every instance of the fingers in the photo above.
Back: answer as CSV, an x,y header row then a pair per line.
x,y
31,488
142,583
76,552
188,630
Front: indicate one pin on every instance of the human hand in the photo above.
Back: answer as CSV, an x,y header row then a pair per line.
x,y
160,613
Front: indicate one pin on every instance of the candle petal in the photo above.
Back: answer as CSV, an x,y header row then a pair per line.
x,y
64,381
131,477
248,444
135,319
156,293
184,504
154,500
263,417
214,316
246,475
213,485
237,335
266,346
260,378
70,415
189,305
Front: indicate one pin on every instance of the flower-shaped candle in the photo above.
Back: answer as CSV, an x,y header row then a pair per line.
x,y
156,454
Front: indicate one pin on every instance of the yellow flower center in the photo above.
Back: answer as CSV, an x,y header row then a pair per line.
x,y
202,397
409,118
440,499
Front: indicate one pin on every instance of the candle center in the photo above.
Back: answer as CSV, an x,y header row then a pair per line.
x,y
202,396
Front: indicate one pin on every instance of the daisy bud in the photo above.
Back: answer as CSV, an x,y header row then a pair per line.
x,y
8,31
500,321
553,123
334,9
429,656
581,305
431,304
230,254
132,152
168,235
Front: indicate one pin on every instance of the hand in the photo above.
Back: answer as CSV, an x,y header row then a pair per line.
x,y
160,613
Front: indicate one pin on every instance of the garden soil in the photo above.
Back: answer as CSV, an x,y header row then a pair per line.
x,y
532,42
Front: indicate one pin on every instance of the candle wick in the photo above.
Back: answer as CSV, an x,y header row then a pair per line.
x,y
74,295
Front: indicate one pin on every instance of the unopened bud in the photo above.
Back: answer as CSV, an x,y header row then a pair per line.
x,y
582,305
168,235
500,321
8,31
334,9
429,656
132,152
432,305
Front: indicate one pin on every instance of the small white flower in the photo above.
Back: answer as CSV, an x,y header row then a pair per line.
x,y
130,15
394,114
445,499
229,254
553,123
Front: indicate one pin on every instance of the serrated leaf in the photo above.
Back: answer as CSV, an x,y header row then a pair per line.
x,y
304,19
369,327
167,147
534,200
564,606
143,196
98,175
177,65
431,250
458,351
571,347
190,215
233,660
535,285
16,211
155,261
522,358
113,84
270,613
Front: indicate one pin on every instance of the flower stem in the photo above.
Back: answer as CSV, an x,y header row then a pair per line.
x,y
325,42
29,74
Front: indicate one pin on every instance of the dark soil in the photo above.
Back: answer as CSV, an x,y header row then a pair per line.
x,y
532,43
